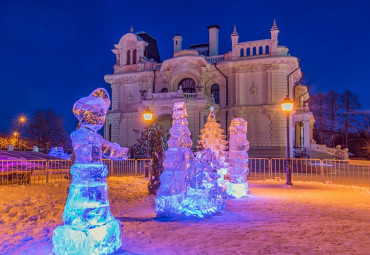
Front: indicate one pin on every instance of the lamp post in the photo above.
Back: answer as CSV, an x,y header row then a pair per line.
x,y
148,116
287,107
21,119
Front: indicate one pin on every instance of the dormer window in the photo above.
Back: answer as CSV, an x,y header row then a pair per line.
x,y
128,57
134,57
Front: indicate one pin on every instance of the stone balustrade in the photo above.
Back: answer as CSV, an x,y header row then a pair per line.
x,y
177,94
215,59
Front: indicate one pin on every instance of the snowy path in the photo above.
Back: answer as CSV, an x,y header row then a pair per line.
x,y
309,218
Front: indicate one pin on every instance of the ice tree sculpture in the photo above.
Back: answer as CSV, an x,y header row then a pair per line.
x,y
172,191
204,197
212,137
238,158
89,226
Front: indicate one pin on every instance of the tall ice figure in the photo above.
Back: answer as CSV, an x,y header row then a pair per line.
x,y
89,226
238,158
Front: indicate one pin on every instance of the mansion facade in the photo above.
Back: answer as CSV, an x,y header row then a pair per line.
x,y
250,82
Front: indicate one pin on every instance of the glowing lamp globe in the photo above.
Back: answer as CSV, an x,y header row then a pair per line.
x,y
22,119
148,115
287,105
15,133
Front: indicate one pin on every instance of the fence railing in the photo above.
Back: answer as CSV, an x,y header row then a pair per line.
x,y
345,172
47,171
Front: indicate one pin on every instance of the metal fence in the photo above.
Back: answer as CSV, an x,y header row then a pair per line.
x,y
47,171
345,172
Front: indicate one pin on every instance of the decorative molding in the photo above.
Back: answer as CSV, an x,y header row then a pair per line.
x,y
253,89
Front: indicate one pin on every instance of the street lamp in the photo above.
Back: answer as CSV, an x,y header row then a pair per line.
x,y
148,116
21,119
287,107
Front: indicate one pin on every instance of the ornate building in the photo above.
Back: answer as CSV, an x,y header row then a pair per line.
x,y
249,82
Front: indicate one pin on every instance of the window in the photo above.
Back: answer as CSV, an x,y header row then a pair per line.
x,y
267,50
176,42
187,85
241,52
254,51
110,132
215,91
260,51
164,90
128,57
134,57
248,52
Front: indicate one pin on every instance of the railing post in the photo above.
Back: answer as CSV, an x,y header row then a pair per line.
x,y
270,169
322,170
135,166
47,171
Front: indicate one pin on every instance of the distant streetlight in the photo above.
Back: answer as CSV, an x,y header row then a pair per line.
x,y
148,116
287,107
21,119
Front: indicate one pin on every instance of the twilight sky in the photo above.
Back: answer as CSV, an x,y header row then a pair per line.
x,y
54,52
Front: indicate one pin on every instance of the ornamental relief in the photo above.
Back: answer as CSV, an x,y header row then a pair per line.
x,y
134,79
255,68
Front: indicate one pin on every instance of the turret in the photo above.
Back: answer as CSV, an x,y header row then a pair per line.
x,y
274,38
177,43
234,38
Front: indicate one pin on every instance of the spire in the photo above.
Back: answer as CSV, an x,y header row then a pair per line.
x,y
235,32
131,29
274,26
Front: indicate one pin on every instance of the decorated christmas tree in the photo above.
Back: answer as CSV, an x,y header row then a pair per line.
x,y
212,137
158,158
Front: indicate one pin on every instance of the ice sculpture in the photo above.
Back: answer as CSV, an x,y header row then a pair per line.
x,y
204,196
89,226
238,158
172,191
212,137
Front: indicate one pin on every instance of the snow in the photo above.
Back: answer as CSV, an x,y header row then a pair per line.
x,y
307,218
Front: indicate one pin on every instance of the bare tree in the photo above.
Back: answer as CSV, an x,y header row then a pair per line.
x,y
318,108
349,103
46,129
332,112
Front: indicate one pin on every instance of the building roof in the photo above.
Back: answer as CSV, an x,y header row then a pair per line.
x,y
152,50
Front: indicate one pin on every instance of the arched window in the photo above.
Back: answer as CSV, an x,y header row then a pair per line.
x,y
110,132
267,50
241,52
134,57
164,90
260,51
128,57
254,51
187,85
248,52
215,91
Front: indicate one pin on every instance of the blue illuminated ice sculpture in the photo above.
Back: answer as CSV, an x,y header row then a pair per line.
x,y
238,159
189,185
204,196
89,226
172,191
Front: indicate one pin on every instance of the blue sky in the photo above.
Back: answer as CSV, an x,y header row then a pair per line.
x,y
54,52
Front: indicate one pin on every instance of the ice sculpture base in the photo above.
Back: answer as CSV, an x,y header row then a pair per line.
x,y
169,205
105,239
199,203
237,189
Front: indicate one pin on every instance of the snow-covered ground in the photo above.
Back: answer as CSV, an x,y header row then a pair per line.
x,y
309,218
